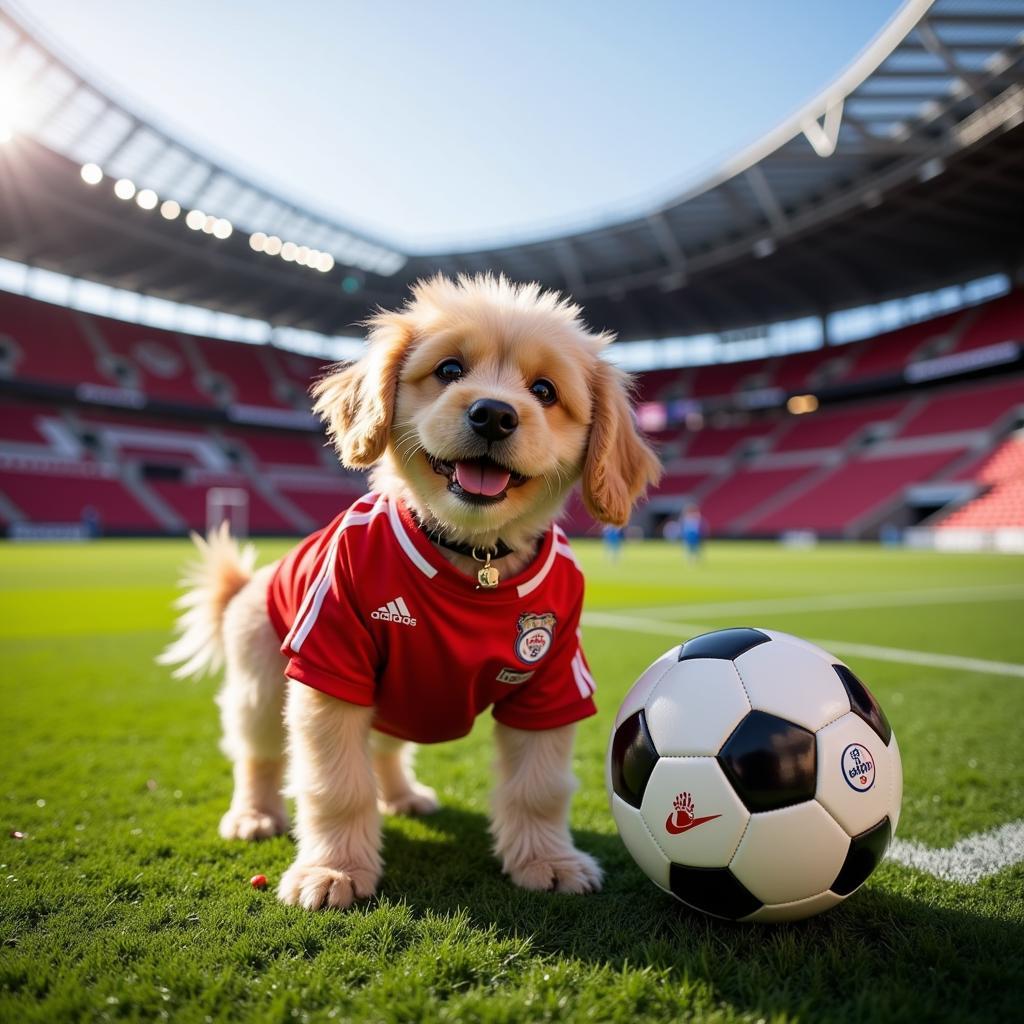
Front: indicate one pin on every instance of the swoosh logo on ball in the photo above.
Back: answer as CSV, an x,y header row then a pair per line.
x,y
674,830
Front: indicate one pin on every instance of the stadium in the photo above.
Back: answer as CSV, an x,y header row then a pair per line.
x,y
827,337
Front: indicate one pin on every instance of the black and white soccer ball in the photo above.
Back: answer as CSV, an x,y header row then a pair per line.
x,y
753,776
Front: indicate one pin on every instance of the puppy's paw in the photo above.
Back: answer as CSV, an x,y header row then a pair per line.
x,y
575,872
417,800
314,887
253,823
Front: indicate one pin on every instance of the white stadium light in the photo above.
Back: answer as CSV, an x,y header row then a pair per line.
x,y
169,209
325,262
222,228
147,199
288,251
92,174
257,241
195,219
124,188
302,254
273,246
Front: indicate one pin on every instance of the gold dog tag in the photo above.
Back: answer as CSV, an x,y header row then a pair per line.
x,y
488,577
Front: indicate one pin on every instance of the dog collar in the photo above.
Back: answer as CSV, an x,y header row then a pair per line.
x,y
500,550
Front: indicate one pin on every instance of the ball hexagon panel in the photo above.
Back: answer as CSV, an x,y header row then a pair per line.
x,y
863,703
726,644
693,813
632,759
790,854
793,681
693,708
770,762
714,890
862,857
897,782
647,854
796,910
635,700
855,777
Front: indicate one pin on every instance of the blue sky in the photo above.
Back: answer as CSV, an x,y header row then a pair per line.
x,y
445,124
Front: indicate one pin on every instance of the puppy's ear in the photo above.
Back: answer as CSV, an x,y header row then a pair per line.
x,y
357,402
620,464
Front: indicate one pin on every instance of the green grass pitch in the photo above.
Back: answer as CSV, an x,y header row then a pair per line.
x,y
122,904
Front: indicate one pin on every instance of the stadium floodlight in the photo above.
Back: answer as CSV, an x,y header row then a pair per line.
x,y
169,209
124,188
147,199
222,228
257,241
273,246
302,254
798,405
289,251
209,223
92,174
325,262
195,219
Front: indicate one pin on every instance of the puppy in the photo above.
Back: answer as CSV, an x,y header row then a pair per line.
x,y
446,590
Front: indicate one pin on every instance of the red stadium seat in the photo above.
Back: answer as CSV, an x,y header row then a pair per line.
x,y
851,492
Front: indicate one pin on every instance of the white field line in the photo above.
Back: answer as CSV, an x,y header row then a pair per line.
x,y
972,858
680,631
844,602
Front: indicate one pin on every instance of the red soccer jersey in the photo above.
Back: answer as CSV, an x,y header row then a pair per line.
x,y
370,612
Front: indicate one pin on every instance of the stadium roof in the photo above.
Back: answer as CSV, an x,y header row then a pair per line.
x,y
904,174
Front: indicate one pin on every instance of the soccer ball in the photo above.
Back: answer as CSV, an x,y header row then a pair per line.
x,y
753,776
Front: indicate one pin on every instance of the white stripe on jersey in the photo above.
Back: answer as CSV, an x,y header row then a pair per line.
x,y
580,677
567,552
313,600
586,672
407,545
534,582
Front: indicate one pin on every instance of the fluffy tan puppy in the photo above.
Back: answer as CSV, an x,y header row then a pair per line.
x,y
478,406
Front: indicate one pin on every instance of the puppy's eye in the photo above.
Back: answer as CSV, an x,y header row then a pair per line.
x,y
448,371
544,391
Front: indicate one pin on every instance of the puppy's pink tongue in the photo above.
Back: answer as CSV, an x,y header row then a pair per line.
x,y
480,478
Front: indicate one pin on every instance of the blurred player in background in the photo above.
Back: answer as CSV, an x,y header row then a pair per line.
x,y
614,536
691,532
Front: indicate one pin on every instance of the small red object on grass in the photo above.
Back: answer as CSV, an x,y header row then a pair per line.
x,y
258,881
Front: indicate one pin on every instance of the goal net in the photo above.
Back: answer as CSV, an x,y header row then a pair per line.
x,y
230,504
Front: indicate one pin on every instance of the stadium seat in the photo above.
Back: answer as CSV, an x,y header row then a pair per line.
x,y
1000,320
833,428
966,407
839,500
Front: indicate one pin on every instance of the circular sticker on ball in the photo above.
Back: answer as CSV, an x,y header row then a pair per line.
x,y
858,767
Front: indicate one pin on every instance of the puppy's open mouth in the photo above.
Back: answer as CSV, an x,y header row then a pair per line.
x,y
479,481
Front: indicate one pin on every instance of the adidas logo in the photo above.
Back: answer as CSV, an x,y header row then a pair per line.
x,y
394,611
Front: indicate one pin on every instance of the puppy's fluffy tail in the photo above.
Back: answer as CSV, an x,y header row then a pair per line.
x,y
210,582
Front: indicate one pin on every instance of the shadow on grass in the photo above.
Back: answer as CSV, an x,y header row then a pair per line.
x,y
881,955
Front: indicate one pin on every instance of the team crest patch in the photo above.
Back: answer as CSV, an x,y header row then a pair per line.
x,y
536,634
858,767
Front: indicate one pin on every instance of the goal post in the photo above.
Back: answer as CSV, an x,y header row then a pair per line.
x,y
229,504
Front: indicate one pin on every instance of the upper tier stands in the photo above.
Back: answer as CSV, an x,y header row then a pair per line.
x,y
885,355
57,346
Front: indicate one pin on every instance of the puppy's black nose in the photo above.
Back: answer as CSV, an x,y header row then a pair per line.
x,y
492,419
